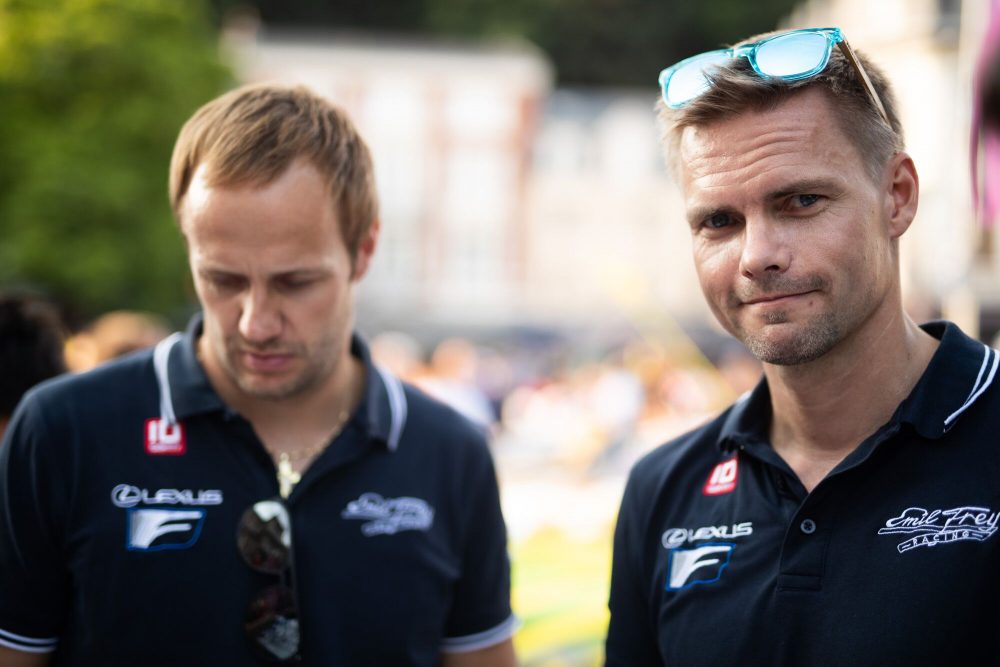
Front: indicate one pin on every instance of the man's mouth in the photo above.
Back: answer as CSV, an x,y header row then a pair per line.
x,y
265,361
775,298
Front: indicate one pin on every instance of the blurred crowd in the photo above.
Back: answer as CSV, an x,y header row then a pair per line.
x,y
554,407
550,406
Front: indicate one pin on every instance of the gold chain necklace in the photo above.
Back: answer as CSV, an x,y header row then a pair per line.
x,y
287,476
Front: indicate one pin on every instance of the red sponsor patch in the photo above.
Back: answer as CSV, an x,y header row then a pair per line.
x,y
723,478
163,439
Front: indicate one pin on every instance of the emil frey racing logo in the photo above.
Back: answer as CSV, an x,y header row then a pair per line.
x,y
931,528
702,564
388,516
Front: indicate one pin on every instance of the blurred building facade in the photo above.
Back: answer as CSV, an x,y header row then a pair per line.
x,y
929,49
507,202
504,202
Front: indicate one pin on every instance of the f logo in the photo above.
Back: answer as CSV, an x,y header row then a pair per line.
x,y
156,529
700,565
164,438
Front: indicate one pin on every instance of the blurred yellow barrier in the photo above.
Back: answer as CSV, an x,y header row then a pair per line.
x,y
560,593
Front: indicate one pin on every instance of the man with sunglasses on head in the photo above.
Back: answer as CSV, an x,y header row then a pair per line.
x,y
254,490
845,511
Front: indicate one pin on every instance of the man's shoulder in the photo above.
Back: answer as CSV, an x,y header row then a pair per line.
x,y
432,419
105,384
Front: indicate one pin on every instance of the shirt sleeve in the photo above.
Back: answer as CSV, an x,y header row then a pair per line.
x,y
631,640
480,615
34,583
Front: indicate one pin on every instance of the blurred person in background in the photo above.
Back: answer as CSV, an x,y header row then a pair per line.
x,y
114,335
451,378
254,489
31,349
846,510
985,153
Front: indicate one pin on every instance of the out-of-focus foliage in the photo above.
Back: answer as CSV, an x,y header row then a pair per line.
x,y
92,95
591,42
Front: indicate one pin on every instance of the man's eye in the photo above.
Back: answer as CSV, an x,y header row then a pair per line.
x,y
227,282
804,201
719,220
292,284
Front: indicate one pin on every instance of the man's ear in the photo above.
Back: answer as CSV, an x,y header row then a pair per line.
x,y
363,257
902,190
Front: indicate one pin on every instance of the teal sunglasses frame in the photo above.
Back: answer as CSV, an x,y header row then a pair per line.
x,y
750,51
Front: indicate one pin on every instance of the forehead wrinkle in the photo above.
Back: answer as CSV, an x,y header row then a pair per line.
x,y
743,155
730,167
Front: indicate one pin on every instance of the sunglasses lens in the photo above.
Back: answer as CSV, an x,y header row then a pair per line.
x,y
264,538
272,624
793,56
690,79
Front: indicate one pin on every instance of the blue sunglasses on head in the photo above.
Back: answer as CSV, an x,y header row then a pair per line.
x,y
789,56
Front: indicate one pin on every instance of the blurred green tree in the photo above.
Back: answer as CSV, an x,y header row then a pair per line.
x,y
92,95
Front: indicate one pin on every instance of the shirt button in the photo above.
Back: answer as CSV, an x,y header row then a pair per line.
x,y
808,526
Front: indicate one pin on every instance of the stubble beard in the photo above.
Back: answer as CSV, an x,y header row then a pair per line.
x,y
319,364
817,338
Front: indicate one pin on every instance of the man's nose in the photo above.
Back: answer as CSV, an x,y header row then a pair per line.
x,y
765,248
260,319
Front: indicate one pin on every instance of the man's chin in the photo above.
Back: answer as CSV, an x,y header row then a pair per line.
x,y
274,389
788,345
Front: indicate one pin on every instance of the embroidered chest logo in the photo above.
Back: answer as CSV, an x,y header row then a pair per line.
x,y
723,478
702,564
165,439
931,528
388,516
158,528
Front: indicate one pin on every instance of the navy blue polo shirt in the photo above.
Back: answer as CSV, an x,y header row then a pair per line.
x,y
121,494
722,558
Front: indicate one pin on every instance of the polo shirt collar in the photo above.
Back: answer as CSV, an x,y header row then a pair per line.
x,y
384,405
961,370
185,390
748,419
958,374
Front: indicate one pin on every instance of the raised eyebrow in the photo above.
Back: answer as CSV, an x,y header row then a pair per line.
x,y
803,187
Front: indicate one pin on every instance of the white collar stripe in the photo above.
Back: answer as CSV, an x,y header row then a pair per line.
x,y
977,389
397,407
28,644
482,640
161,355
979,378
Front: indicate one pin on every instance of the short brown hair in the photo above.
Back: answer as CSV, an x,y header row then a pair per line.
x,y
251,135
736,88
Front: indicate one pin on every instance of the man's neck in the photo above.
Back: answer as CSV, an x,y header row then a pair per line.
x,y
319,407
299,421
821,411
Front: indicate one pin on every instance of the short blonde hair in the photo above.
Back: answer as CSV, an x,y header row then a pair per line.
x,y
251,135
736,88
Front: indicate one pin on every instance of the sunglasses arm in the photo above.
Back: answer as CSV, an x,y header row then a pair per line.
x,y
848,52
